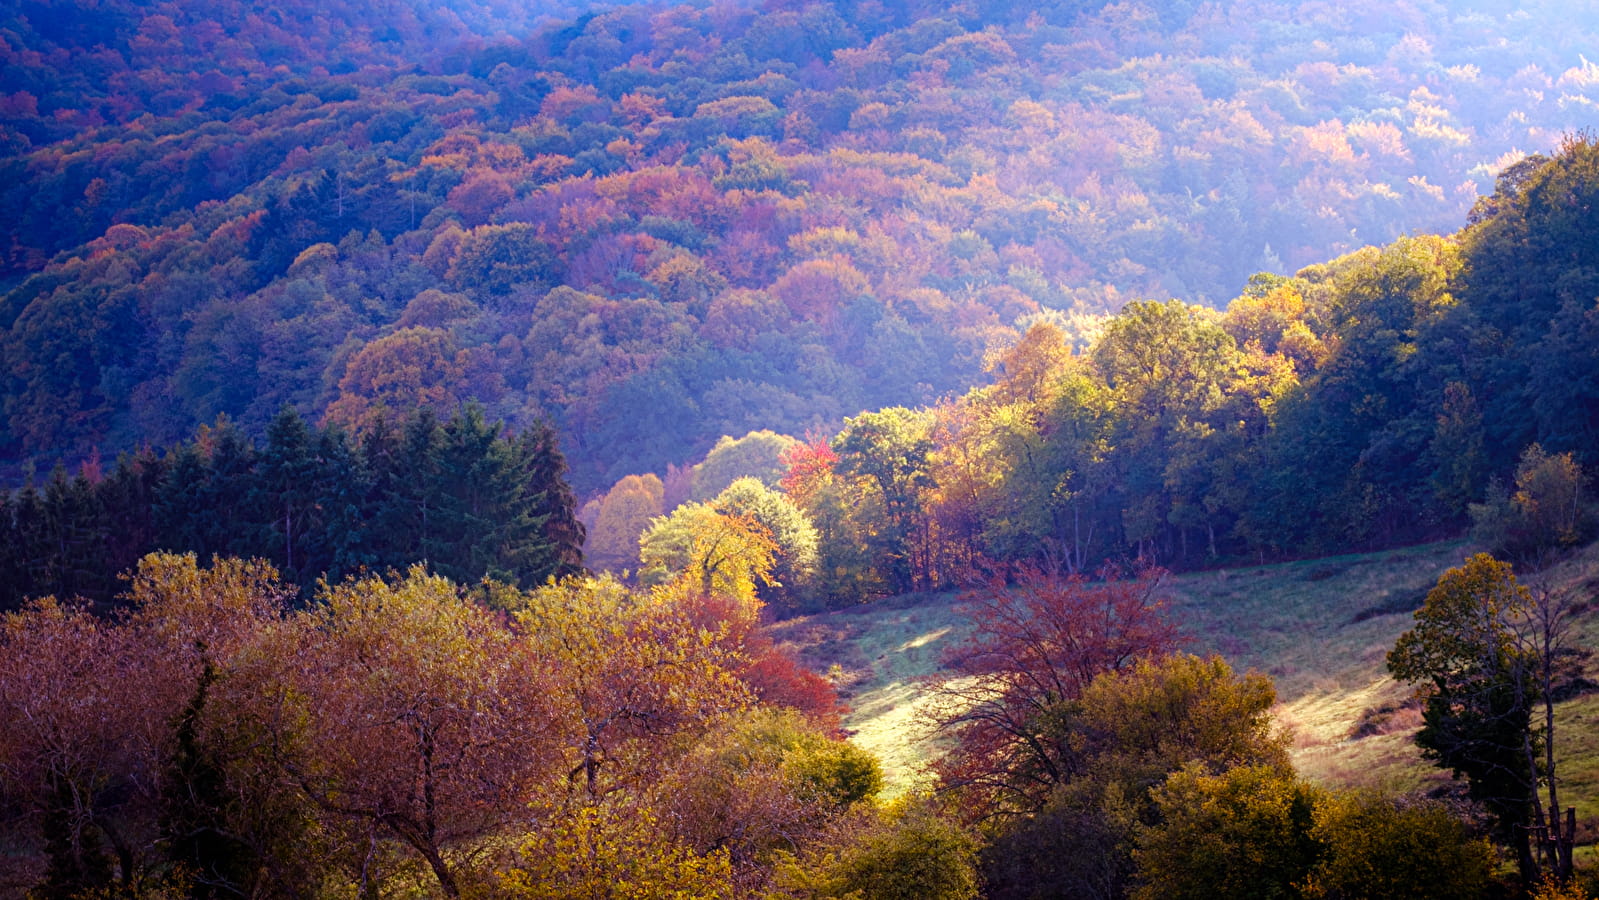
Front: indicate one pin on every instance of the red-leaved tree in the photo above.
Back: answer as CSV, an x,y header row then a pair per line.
x,y
1036,642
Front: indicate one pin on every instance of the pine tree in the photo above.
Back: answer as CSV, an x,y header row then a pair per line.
x,y
76,528
405,471
128,497
32,545
225,509
12,588
341,546
471,489
177,499
284,494
554,502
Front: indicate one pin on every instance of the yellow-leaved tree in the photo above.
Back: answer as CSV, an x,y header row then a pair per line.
x,y
722,555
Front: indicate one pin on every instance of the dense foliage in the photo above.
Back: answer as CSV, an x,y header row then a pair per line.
x,y
1369,400
654,226
1037,645
1476,680
1489,657
400,734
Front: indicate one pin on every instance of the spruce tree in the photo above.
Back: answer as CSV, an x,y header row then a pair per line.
x,y
554,503
283,495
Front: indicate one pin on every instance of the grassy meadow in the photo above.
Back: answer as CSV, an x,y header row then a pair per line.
x,y
1320,628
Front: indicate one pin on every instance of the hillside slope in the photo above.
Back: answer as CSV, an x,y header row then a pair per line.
x,y
1320,628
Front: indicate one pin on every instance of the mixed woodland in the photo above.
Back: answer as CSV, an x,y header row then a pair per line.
x,y
652,226
1395,394
412,428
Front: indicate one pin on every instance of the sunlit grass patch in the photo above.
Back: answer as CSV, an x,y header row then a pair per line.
x,y
880,656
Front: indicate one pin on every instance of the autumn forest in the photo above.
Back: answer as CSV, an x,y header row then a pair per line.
x,y
417,418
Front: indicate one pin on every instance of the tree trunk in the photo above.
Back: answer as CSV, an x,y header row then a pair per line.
x,y
441,871
1525,861
1568,838
1559,836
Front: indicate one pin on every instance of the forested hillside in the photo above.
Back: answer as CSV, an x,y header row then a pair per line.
x,y
1392,395
416,416
656,225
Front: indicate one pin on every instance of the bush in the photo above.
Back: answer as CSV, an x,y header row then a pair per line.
x,y
1244,833
907,853
1373,846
